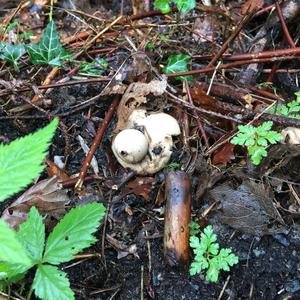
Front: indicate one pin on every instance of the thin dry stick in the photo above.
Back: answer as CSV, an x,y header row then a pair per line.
x,y
198,118
242,23
96,142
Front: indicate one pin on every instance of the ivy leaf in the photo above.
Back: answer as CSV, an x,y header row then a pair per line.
x,y
178,63
11,250
185,5
21,160
162,5
48,51
32,235
11,53
73,233
51,283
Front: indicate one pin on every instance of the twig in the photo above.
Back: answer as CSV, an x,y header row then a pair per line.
x,y
96,142
235,64
239,27
283,25
198,118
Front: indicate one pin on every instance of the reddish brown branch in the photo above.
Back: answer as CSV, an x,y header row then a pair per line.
x,y
96,142
234,64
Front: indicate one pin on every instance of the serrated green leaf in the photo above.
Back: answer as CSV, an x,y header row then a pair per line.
x,y
11,53
213,271
163,6
11,250
12,272
194,241
185,6
50,283
73,233
266,126
257,153
273,137
32,235
262,141
178,63
21,160
48,50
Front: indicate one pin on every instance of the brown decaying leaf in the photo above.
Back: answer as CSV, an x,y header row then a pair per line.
x,y
141,186
136,68
135,96
199,96
249,208
223,155
54,170
47,196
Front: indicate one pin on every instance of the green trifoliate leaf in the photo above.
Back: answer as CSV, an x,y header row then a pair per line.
x,y
21,160
163,6
48,50
178,63
32,235
73,233
185,6
11,250
11,53
50,283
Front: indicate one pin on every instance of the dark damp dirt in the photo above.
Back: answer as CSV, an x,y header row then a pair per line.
x,y
268,268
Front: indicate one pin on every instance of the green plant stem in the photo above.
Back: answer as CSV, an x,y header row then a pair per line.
x,y
30,293
51,10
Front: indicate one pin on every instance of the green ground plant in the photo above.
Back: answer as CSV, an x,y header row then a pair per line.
x,y
208,255
289,110
257,139
183,6
178,63
22,160
27,248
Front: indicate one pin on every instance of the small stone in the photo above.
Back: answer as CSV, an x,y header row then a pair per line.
x,y
292,286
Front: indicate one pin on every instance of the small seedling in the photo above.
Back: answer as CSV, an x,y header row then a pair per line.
x,y
183,6
257,139
290,110
21,160
11,53
178,63
173,165
209,256
22,250
96,67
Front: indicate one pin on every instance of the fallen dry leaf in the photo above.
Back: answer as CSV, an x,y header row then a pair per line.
x,y
244,210
135,96
223,155
141,186
47,196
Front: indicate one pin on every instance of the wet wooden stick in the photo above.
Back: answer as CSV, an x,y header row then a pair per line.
x,y
96,142
177,218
